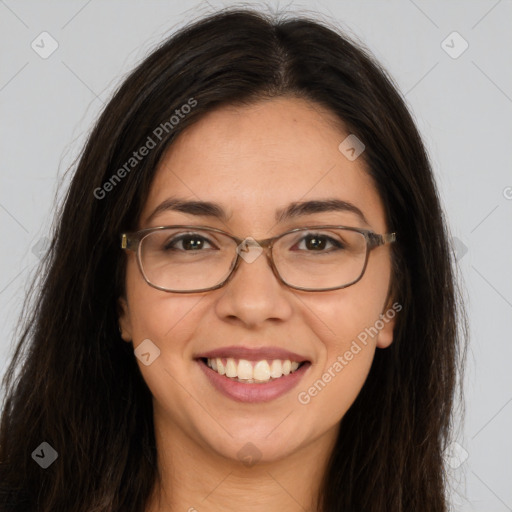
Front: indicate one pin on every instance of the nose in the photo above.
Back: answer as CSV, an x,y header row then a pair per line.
x,y
254,294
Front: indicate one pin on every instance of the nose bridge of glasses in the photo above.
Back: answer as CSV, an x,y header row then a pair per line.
x,y
250,249
249,241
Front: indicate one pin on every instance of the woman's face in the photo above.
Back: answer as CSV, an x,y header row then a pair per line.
x,y
253,161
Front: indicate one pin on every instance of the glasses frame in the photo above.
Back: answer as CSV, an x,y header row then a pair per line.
x,y
132,241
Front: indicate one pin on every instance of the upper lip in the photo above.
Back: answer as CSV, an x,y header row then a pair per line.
x,y
252,354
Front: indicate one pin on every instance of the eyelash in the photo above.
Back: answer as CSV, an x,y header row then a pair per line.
x,y
169,245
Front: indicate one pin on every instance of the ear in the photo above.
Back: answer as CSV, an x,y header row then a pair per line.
x,y
388,319
124,318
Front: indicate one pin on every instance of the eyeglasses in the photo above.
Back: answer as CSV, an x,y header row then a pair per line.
x,y
188,259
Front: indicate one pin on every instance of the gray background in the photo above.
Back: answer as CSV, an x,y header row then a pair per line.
x,y
462,106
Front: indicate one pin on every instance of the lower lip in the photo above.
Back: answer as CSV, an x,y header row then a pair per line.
x,y
256,392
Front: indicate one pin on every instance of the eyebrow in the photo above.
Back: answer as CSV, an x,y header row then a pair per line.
x,y
293,210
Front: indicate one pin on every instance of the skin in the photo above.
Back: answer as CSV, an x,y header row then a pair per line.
x,y
231,156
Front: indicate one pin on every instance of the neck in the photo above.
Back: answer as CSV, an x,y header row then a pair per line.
x,y
193,477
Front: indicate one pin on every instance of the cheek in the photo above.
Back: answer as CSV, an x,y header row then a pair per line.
x,y
346,349
345,359
164,318
350,314
362,304
346,325
168,322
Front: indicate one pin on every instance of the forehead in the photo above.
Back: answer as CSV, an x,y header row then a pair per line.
x,y
256,159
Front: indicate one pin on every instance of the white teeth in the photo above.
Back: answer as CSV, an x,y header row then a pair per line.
x,y
244,370
231,368
253,371
276,369
261,371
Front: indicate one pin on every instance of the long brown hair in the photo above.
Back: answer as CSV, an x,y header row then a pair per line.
x,y
73,382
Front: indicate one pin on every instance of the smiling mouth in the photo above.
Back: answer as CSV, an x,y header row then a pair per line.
x,y
252,372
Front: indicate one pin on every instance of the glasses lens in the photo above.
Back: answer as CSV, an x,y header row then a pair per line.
x,y
182,259
321,259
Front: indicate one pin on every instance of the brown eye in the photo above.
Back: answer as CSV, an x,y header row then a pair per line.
x,y
189,242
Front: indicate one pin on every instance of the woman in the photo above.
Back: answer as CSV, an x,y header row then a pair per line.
x,y
249,299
